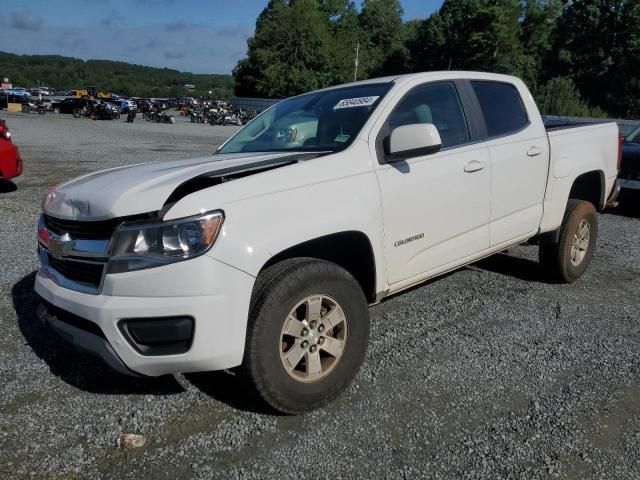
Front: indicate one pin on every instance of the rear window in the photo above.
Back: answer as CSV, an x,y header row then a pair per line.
x,y
502,106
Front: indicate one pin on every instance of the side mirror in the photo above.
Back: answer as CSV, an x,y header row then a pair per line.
x,y
410,141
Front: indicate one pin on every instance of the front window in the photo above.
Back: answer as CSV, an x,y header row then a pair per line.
x,y
319,121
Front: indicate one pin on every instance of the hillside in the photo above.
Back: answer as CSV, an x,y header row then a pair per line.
x,y
119,77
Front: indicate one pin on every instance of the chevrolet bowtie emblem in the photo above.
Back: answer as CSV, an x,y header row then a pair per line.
x,y
60,246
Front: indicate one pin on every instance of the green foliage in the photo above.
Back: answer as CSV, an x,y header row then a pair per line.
x,y
571,53
382,41
598,46
301,45
118,77
560,96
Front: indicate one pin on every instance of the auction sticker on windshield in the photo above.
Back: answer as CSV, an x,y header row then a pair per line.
x,y
356,102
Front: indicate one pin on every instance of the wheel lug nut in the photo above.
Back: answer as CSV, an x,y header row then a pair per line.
x,y
321,328
304,344
320,340
305,332
313,349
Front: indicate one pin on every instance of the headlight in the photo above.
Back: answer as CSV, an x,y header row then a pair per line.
x,y
138,246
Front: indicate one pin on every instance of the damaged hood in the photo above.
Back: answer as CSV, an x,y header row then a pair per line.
x,y
143,188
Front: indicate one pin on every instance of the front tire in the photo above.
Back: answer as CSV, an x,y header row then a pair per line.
x,y
307,334
568,259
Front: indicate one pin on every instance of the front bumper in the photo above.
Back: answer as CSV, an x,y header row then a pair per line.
x,y
84,337
214,294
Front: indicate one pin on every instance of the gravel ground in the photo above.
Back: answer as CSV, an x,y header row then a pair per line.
x,y
488,372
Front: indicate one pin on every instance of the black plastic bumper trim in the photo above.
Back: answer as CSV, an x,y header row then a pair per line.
x,y
159,335
86,340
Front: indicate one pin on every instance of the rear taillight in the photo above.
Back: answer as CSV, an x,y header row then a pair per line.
x,y
4,131
620,142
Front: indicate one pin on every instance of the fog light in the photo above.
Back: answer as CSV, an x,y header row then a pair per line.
x,y
159,336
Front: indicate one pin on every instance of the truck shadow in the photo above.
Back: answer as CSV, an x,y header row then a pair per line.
x,y
91,375
70,365
629,205
521,268
228,388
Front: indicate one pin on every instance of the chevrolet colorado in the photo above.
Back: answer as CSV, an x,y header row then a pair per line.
x,y
266,255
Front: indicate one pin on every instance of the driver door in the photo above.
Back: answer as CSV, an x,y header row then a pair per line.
x,y
436,208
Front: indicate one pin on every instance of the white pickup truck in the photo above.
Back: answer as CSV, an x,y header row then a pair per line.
x,y
266,255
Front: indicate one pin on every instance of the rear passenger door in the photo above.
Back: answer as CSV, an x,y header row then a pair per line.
x,y
519,150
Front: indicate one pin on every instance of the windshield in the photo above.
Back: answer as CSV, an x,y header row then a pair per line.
x,y
319,121
634,136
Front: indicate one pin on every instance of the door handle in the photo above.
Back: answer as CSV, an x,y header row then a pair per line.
x,y
474,166
534,151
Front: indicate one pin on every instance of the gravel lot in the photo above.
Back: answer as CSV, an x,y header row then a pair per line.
x,y
488,372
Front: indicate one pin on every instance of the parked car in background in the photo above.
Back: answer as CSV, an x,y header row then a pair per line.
x,y
18,92
629,176
265,255
68,105
10,161
35,92
7,97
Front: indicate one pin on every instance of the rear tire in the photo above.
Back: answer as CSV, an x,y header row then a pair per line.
x,y
307,334
567,260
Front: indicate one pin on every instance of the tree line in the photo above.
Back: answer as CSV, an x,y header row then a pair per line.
x,y
118,77
579,57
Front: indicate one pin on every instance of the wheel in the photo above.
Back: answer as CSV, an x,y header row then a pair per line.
x,y
56,110
568,259
307,334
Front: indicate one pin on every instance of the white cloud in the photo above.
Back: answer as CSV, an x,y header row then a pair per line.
x,y
24,20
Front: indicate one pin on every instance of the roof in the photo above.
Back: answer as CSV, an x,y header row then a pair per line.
x,y
426,76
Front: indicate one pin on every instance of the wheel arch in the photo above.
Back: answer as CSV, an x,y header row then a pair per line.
x,y
352,250
591,187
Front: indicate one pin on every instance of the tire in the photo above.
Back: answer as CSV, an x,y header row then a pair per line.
x,y
289,288
56,111
568,259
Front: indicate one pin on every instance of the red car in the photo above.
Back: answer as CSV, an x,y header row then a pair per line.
x,y
10,161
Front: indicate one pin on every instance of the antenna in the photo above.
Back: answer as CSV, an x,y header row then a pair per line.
x,y
355,73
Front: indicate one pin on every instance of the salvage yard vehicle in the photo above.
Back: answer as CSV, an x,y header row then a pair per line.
x,y
264,256
10,161
629,176
69,105
34,106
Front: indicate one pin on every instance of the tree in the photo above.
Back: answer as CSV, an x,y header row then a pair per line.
x,y
299,45
598,46
383,39
471,34
118,77
539,23
561,97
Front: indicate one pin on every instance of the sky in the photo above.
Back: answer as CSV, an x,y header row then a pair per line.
x,y
199,36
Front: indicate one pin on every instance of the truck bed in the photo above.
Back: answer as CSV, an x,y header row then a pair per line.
x,y
564,124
